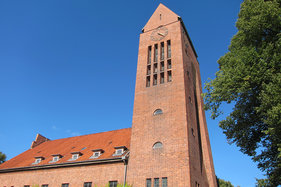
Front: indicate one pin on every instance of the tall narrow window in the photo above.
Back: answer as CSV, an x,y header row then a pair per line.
x,y
169,64
149,55
154,79
168,49
162,66
164,182
161,78
155,53
148,81
148,182
87,184
148,69
156,182
155,68
169,76
162,51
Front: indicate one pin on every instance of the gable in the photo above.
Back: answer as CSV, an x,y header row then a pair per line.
x,y
161,16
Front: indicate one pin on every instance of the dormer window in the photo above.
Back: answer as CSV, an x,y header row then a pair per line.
x,y
97,153
38,159
56,158
119,150
75,156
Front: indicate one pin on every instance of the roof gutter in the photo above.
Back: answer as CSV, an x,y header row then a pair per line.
x,y
71,164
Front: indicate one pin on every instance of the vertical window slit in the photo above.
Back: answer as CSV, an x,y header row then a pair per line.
x,y
148,81
168,49
161,78
149,55
155,53
155,79
162,51
169,76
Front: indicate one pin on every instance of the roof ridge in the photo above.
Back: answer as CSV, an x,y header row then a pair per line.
x,y
89,134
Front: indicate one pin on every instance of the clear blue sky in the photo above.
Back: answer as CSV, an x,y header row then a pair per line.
x,y
68,68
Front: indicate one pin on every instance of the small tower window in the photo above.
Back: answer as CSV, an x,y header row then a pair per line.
x,y
155,68
169,76
148,182
157,112
161,78
154,79
148,81
149,55
156,182
155,53
169,64
162,51
148,70
157,145
162,66
168,49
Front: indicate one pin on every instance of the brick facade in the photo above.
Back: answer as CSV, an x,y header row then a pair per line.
x,y
171,145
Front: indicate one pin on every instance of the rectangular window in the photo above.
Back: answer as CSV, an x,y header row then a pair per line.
x,y
156,182
155,53
148,69
168,49
162,51
149,55
148,81
26,186
155,68
44,185
169,64
87,184
112,183
164,182
161,78
148,182
169,76
65,185
162,66
154,79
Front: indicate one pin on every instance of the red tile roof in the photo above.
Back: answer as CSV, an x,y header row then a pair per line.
x,y
84,144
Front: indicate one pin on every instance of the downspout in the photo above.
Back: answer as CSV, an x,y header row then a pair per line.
x,y
125,160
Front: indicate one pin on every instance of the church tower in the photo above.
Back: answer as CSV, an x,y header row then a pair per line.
x,y
169,142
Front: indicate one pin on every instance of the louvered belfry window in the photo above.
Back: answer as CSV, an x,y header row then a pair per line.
x,y
159,70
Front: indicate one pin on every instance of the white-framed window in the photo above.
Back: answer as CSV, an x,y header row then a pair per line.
x,y
119,151
56,158
38,160
75,156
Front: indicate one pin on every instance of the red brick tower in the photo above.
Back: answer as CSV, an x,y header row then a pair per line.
x,y
169,143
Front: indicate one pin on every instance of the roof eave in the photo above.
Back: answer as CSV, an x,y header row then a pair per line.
x,y
70,164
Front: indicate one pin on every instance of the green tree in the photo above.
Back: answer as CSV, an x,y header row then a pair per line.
x,y
249,77
223,183
2,157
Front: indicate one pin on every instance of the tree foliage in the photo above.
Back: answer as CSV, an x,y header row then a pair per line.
x,y
249,77
223,183
2,157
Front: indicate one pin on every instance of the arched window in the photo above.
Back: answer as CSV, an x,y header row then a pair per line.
x,y
157,145
157,112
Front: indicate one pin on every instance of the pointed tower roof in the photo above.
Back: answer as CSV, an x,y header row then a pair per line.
x,y
161,16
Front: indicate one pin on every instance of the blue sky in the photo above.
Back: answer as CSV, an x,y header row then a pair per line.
x,y
68,68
